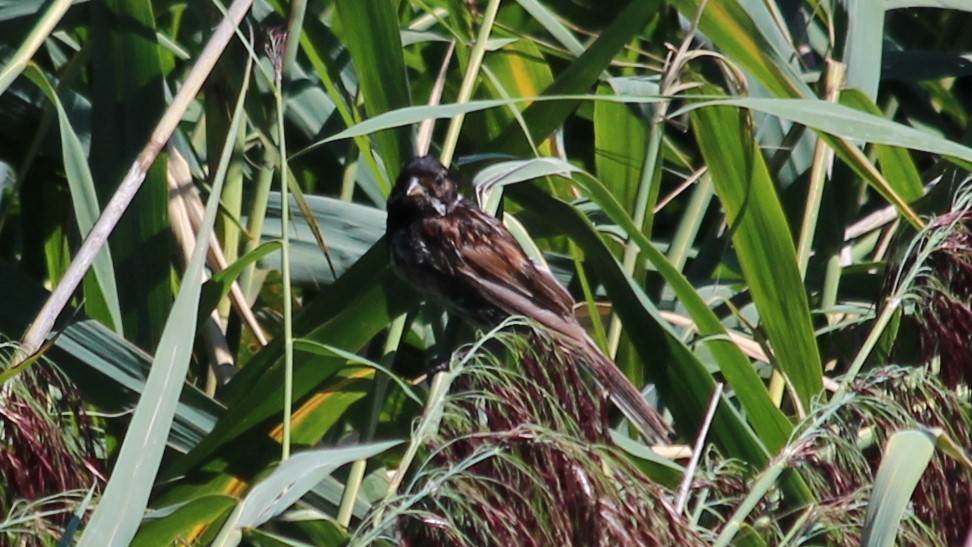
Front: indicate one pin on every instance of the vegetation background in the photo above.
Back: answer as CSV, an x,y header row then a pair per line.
x,y
760,207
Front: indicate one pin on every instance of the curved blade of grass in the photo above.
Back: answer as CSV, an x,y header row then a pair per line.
x,y
763,243
844,121
415,114
905,459
833,119
117,517
220,284
84,199
549,21
288,483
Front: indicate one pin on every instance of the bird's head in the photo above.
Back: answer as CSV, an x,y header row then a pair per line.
x,y
425,184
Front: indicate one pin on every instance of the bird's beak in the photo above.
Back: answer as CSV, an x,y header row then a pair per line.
x,y
414,187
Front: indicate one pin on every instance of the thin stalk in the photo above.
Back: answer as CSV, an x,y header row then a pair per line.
x,y
288,319
294,27
232,201
642,220
872,339
683,489
254,223
647,187
469,81
828,295
688,227
356,475
823,157
590,303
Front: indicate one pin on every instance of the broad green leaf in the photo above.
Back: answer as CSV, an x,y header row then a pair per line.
x,y
763,243
127,104
905,458
863,46
543,118
352,229
288,483
372,35
620,141
181,524
109,370
12,9
85,200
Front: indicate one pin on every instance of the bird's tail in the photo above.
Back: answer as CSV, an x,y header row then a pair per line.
x,y
624,394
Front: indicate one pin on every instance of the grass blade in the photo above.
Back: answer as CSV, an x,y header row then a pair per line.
x,y
905,459
84,198
117,518
763,244
288,483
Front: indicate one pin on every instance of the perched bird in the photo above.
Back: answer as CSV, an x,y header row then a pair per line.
x,y
460,256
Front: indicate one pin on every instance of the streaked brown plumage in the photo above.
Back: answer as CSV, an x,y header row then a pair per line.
x,y
457,254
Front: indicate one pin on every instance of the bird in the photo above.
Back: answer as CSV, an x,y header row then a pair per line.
x,y
462,257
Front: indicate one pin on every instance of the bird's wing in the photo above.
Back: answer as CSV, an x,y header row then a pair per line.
x,y
495,264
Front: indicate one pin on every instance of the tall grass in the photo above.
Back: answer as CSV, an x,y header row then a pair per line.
x,y
729,189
